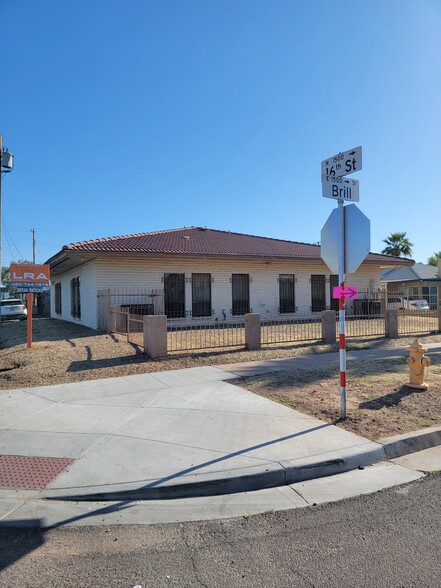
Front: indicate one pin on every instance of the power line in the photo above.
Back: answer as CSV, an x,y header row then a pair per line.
x,y
10,241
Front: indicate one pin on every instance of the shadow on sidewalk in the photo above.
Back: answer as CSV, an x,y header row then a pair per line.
x,y
155,490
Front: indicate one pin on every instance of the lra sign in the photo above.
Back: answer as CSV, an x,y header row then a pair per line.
x,y
29,277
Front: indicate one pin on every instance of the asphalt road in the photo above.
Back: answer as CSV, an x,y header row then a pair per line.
x,y
389,539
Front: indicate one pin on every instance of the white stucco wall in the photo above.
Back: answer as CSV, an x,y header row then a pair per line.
x,y
117,273
88,295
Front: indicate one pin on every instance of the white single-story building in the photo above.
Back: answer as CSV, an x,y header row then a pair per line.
x,y
199,273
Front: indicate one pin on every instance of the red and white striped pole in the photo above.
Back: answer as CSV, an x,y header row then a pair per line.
x,y
341,307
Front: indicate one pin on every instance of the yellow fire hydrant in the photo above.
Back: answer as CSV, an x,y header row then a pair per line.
x,y
417,362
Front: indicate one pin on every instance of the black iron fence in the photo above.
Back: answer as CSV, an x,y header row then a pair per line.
x,y
366,316
414,322
203,335
135,301
289,330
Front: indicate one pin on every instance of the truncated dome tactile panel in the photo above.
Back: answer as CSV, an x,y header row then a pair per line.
x,y
30,473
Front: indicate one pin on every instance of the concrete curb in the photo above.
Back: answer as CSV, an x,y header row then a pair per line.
x,y
289,473
400,445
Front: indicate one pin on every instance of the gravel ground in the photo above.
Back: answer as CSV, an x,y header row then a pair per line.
x,y
64,352
378,403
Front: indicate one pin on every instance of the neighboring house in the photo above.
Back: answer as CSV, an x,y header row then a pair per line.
x,y
418,282
199,273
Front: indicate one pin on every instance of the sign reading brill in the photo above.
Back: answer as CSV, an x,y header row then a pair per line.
x,y
340,187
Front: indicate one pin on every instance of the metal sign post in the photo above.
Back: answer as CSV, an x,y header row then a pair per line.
x,y
341,307
345,239
30,306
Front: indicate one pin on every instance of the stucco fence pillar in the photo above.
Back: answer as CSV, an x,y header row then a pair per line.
x,y
155,335
329,326
253,331
391,318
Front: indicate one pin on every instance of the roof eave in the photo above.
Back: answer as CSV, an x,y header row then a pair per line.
x,y
78,257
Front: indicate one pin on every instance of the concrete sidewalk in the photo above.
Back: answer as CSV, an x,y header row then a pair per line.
x,y
173,435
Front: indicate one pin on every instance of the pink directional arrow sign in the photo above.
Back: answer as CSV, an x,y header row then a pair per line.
x,y
347,292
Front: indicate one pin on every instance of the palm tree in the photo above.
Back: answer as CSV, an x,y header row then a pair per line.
x,y
398,244
433,259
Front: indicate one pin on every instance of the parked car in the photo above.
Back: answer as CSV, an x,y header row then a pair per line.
x,y
13,308
416,305
403,303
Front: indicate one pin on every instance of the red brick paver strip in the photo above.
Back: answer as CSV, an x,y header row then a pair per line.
x,y
30,473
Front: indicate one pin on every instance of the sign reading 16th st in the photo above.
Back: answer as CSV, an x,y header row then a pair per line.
x,y
342,163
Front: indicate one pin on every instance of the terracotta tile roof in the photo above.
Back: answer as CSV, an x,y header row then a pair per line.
x,y
211,242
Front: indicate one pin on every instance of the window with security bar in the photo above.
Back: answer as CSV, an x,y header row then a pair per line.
x,y
75,301
318,294
58,307
430,293
174,295
333,283
287,300
201,295
240,294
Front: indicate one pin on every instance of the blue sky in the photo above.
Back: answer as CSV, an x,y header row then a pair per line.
x,y
150,115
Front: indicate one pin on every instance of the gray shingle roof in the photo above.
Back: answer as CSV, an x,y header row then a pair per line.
x,y
419,271
425,271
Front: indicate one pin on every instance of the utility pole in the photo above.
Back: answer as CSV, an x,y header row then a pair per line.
x,y
33,245
6,164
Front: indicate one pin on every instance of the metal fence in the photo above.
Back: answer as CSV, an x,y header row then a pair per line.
x,y
413,322
366,315
403,298
291,330
203,335
130,325
136,301
365,326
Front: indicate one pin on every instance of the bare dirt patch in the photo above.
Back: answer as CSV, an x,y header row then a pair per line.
x,y
64,352
379,403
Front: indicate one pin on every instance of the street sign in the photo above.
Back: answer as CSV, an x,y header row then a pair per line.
x,y
342,164
340,187
329,242
345,239
357,239
346,292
